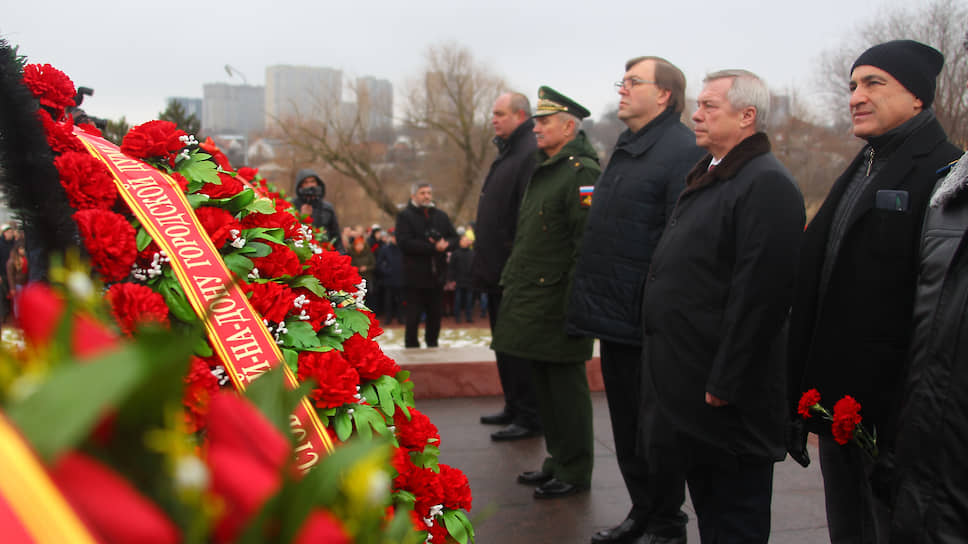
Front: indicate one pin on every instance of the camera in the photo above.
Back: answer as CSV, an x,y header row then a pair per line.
x,y
433,234
310,193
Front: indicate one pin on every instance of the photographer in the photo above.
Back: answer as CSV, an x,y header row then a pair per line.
x,y
425,235
310,192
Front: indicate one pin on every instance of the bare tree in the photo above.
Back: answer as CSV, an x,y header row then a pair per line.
x,y
940,24
337,135
448,109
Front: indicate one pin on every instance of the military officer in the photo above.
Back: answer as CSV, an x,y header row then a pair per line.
x,y
536,282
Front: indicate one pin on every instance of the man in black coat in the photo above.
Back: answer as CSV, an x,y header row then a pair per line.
x,y
310,200
632,200
851,321
497,217
425,235
714,314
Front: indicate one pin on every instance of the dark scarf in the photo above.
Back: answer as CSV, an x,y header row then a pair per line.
x,y
734,161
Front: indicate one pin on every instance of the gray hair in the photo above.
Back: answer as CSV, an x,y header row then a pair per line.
x,y
519,102
570,117
747,90
419,185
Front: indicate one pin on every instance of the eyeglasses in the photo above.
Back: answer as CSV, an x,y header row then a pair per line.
x,y
631,82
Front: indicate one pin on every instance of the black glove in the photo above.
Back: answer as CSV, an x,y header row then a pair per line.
x,y
796,442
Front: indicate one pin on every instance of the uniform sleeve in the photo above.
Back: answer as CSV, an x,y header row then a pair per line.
x,y
578,214
768,221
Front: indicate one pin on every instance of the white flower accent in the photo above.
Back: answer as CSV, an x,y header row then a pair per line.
x,y
238,243
303,316
191,473
188,139
221,375
298,243
254,274
300,301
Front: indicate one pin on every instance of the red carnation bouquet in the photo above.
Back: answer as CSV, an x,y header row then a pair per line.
x,y
310,298
845,421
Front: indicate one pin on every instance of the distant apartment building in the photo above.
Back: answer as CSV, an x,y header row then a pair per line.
x,y
374,98
233,109
302,91
192,106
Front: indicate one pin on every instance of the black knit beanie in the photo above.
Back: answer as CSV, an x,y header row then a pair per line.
x,y
913,64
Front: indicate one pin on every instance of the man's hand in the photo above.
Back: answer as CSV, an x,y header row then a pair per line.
x,y
441,245
306,209
714,401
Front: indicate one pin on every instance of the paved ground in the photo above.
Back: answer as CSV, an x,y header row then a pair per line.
x,y
505,513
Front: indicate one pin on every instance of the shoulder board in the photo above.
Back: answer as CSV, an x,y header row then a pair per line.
x,y
582,162
943,171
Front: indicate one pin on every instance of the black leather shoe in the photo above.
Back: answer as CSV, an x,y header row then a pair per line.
x,y
514,432
534,477
555,488
626,532
500,418
656,539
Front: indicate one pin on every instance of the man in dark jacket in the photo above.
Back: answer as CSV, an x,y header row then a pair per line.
x,y
851,321
310,194
425,235
497,217
714,313
536,282
632,201
930,485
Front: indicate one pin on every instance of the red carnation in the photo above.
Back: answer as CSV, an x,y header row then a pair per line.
x,y
133,304
200,386
181,181
336,380
457,490
153,139
318,309
272,300
369,360
415,433
846,419
402,463
248,174
87,182
322,526
375,329
51,86
110,240
220,159
42,309
60,136
278,220
809,399
425,484
218,223
334,271
228,187
281,262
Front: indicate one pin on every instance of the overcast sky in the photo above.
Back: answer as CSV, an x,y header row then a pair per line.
x,y
135,53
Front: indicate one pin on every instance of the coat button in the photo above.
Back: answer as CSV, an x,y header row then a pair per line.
x,y
672,222
651,277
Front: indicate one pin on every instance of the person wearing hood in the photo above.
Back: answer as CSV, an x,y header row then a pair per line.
x,y
310,195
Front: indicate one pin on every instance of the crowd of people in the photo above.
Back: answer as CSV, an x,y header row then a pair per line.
x,y
716,304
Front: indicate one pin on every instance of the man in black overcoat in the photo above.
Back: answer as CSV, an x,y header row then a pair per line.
x,y
852,314
714,314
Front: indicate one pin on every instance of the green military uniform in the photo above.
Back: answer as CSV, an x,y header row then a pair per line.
x,y
536,282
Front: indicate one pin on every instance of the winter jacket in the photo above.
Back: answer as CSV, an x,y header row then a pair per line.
x,y
459,268
389,264
632,201
537,277
423,265
854,339
497,208
324,215
931,476
717,298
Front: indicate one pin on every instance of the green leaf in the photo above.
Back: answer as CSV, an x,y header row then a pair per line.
x,y
273,235
202,347
343,425
198,168
292,359
269,394
255,249
428,458
304,252
369,394
389,391
261,205
240,265
64,409
368,420
175,299
334,341
308,282
300,335
351,319
197,199
456,526
238,202
143,239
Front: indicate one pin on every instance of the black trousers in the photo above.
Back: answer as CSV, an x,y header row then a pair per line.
x,y
420,301
656,499
732,503
516,375
854,514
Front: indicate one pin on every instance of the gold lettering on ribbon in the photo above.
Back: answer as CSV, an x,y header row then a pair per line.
x,y
234,329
